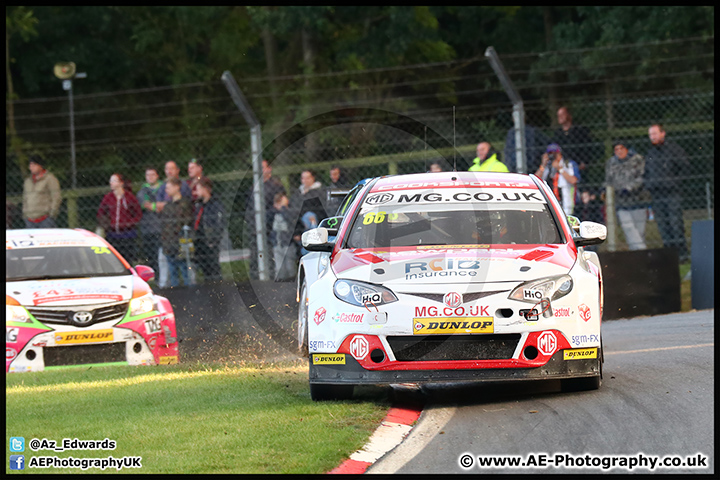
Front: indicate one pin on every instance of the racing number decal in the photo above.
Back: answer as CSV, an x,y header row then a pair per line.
x,y
101,250
152,325
379,217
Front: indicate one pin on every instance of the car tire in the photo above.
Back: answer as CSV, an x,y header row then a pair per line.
x,y
321,392
303,322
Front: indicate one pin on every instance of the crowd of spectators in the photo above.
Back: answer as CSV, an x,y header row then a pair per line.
x,y
176,226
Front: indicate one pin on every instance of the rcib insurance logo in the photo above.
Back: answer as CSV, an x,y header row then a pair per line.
x,y
547,343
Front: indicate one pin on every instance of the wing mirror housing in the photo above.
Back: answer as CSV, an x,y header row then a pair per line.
x,y
316,240
591,233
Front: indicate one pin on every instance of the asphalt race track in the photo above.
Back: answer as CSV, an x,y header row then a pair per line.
x,y
656,399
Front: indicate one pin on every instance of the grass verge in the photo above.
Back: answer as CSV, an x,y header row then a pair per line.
x,y
199,418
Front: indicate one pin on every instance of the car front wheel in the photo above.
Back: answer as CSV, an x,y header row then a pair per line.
x,y
302,336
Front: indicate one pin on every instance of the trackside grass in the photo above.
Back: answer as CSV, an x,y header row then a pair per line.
x,y
199,418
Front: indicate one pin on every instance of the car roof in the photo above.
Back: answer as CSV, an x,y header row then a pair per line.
x,y
47,237
437,179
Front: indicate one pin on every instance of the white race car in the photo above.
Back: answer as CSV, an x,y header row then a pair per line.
x,y
71,299
453,276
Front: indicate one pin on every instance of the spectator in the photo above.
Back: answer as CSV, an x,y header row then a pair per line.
x,y
307,205
624,173
338,178
435,167
665,165
271,187
171,171
575,140
119,213
338,181
487,160
209,229
563,175
284,250
590,206
41,196
195,173
176,214
150,222
535,143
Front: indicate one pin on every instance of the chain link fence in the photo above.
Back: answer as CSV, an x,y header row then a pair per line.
x,y
401,130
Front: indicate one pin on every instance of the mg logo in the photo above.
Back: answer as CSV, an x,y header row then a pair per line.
x,y
453,299
584,312
359,347
547,343
379,199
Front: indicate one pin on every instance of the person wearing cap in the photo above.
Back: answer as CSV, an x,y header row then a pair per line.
x,y
41,196
624,173
487,160
563,176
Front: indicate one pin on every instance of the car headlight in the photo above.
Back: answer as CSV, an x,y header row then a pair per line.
x,y
141,305
362,294
537,290
16,313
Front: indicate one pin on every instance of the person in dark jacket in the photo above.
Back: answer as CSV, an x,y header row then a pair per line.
x,y
665,165
575,140
119,213
307,205
176,214
209,226
535,143
150,223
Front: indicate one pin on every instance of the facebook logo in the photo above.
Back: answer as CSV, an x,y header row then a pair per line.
x,y
17,462
17,444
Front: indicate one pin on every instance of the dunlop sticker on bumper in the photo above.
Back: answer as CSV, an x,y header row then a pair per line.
x,y
444,325
169,360
328,359
91,336
579,353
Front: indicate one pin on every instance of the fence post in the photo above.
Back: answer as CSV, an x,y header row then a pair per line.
x,y
72,210
258,186
610,214
392,168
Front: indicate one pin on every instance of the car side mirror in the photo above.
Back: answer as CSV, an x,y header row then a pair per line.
x,y
316,240
331,225
145,272
591,233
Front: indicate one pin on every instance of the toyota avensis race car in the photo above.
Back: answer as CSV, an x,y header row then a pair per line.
x,y
71,299
453,276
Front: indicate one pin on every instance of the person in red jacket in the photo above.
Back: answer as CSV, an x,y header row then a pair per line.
x,y
119,214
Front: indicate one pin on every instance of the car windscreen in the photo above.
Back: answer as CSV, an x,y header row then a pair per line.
x,y
61,262
453,224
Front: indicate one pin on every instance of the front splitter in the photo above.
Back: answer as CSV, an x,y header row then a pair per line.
x,y
353,373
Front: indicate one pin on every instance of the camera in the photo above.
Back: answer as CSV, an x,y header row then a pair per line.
x,y
551,156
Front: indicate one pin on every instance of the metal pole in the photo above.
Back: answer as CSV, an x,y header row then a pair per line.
x,y
72,137
518,109
610,214
258,186
707,199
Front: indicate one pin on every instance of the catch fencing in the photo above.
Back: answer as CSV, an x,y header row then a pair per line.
x,y
331,121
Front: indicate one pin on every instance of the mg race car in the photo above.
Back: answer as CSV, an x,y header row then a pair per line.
x,y
453,276
71,299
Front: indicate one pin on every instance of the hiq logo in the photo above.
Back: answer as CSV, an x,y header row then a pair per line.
x,y
17,462
17,444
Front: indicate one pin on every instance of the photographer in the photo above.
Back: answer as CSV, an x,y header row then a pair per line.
x,y
563,176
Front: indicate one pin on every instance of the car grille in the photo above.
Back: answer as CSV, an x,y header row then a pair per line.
x,y
84,354
100,314
412,348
